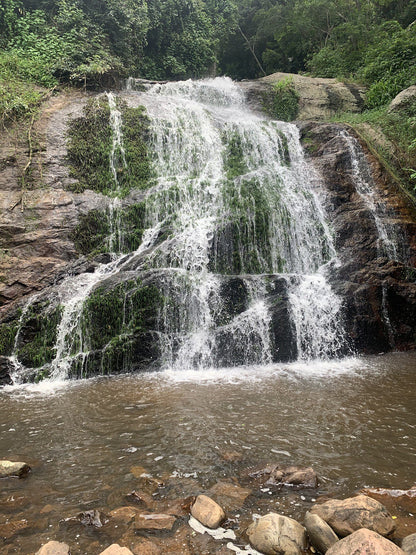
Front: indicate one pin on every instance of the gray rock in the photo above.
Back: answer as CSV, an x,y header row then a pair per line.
x,y
409,544
273,534
320,533
13,469
403,99
365,542
54,548
348,515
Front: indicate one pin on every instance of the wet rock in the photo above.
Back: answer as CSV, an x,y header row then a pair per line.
x,y
364,542
321,535
349,515
54,548
154,521
9,529
6,369
276,476
394,499
273,533
177,507
124,515
229,496
409,544
141,498
116,549
13,469
88,518
207,512
231,456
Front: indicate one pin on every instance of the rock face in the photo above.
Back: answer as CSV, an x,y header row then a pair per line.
x,y
207,511
318,98
321,535
273,533
379,294
54,548
348,515
365,542
13,469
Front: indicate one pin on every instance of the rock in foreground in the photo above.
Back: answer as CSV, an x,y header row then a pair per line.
x,y
13,469
349,515
207,511
54,548
116,549
320,533
365,542
273,534
275,475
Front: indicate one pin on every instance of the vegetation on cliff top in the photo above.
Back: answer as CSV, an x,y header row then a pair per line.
x,y
45,43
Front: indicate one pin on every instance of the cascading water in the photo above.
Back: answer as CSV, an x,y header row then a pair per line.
x,y
234,233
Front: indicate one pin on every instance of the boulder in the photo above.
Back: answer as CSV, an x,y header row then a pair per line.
x,y
154,521
273,534
409,544
403,99
116,549
54,548
321,535
207,511
13,469
364,542
348,515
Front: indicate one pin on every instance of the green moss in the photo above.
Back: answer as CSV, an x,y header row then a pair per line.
x,y
282,101
91,233
132,226
89,148
90,144
234,159
7,336
127,308
38,335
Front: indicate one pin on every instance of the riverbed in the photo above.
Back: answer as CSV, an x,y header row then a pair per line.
x,y
353,421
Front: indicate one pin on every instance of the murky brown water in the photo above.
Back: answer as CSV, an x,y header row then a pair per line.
x,y
353,421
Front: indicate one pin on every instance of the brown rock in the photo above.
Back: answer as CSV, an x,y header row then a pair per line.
x,y
10,469
9,529
124,515
365,542
320,533
348,515
54,548
273,534
207,511
409,544
231,456
141,498
116,549
228,495
154,521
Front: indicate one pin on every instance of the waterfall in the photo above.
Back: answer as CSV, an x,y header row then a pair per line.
x,y
235,239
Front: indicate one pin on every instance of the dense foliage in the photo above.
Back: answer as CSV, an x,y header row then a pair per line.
x,y
92,43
